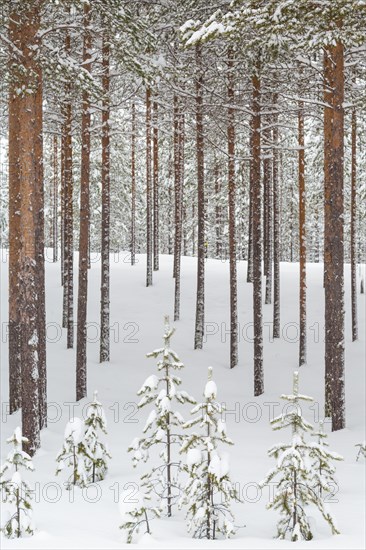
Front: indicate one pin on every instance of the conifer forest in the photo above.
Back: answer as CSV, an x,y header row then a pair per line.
x,y
183,262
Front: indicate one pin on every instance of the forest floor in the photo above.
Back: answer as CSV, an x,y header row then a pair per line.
x,y
90,519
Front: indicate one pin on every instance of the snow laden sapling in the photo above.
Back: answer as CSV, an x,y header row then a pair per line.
x,y
163,423
96,451
296,473
74,454
323,467
136,514
16,494
209,490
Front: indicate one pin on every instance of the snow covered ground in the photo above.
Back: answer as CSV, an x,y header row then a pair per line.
x,y
90,518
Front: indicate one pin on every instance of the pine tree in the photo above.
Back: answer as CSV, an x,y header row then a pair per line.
x,y
209,491
16,494
295,472
162,422
97,452
74,454
136,514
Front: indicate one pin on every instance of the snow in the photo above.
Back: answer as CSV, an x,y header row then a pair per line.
x,y
193,457
210,390
92,516
75,429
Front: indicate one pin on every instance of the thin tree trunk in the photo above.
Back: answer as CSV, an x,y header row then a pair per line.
x,y
104,352
149,199
133,185
255,169
232,208
81,345
63,199
328,117
55,200
200,298
276,230
217,208
156,184
29,149
353,229
334,326
302,234
250,234
15,398
178,176
41,309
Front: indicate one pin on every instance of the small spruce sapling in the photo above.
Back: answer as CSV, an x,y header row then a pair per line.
x,y
323,468
136,514
295,472
97,452
209,490
361,450
16,494
74,454
163,423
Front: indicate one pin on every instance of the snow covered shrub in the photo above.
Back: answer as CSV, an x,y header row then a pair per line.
x,y
16,495
323,468
74,454
136,514
297,472
209,491
163,423
361,450
96,451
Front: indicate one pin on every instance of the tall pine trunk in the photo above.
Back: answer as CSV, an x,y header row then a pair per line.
x,y
81,344
133,183
276,229
232,208
104,351
30,172
353,227
201,251
55,200
178,186
156,184
149,198
255,168
302,233
14,224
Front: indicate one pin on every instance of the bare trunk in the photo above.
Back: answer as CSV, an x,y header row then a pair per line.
x,y
302,233
353,229
156,184
133,185
81,345
55,200
232,207
15,400
200,299
104,351
149,205
276,231
255,169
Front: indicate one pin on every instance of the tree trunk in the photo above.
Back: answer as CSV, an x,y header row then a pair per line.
x,y
156,184
178,185
149,201
353,228
81,345
218,220
15,400
232,207
334,325
200,299
55,200
255,168
104,352
302,234
30,186
133,185
276,230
